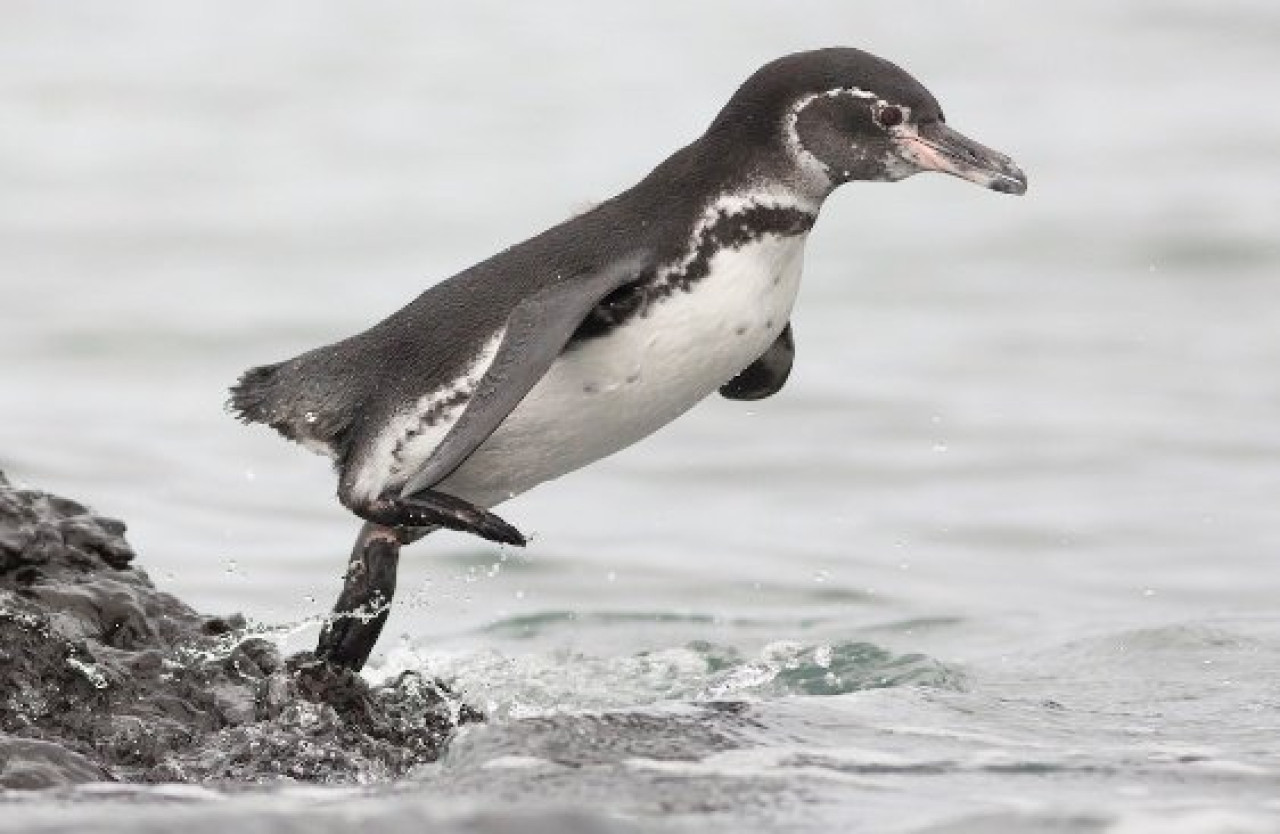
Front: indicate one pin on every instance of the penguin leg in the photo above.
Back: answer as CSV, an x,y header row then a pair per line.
x,y
365,602
435,509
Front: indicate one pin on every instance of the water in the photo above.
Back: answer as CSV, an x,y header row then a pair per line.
x,y
1001,557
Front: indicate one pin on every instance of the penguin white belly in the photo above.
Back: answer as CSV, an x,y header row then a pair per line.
x,y
610,391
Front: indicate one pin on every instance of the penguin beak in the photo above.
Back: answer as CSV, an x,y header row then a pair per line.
x,y
932,146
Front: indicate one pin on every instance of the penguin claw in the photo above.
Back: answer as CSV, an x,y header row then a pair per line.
x,y
466,517
435,509
494,529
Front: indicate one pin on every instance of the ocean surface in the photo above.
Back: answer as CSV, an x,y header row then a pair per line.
x,y
1004,555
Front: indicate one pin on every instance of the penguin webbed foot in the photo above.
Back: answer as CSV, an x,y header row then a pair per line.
x,y
362,608
435,509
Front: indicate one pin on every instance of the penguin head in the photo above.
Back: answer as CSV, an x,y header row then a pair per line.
x,y
831,116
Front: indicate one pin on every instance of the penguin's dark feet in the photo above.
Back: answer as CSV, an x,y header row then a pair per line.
x,y
365,602
435,509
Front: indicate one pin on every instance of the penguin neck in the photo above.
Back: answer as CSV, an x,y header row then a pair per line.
x,y
769,162
735,175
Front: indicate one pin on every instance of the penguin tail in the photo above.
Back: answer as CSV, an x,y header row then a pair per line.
x,y
253,396
279,396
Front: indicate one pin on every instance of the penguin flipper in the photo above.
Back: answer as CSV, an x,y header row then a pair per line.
x,y
536,333
765,376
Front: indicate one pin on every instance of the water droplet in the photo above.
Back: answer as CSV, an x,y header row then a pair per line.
x,y
519,594
249,475
90,671
820,576
1149,592
310,417
612,576
822,656
939,447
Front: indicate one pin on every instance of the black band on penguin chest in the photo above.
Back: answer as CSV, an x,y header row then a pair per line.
x,y
730,230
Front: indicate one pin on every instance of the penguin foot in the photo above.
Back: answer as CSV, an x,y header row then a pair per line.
x,y
435,509
365,603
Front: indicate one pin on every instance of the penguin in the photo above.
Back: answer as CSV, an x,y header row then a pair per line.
x,y
588,337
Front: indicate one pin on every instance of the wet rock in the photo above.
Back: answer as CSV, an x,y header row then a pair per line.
x,y
105,677
27,764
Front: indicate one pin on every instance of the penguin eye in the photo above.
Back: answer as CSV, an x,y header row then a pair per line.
x,y
889,116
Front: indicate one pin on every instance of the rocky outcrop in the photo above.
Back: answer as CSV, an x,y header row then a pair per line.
x,y
105,677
